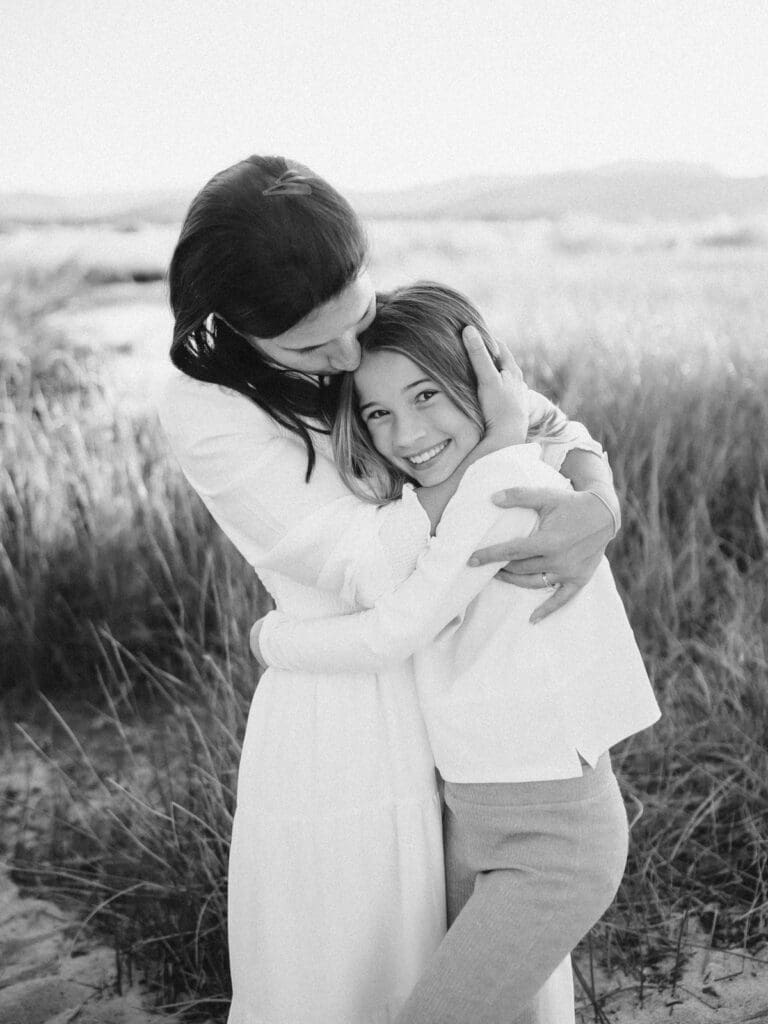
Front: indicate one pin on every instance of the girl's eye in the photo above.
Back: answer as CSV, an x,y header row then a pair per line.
x,y
426,394
375,415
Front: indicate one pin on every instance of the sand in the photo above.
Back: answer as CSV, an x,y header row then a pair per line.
x,y
714,987
51,974
53,970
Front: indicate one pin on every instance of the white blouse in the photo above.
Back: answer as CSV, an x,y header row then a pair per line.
x,y
503,700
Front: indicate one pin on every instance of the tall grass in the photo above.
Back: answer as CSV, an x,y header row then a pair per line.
x,y
99,529
115,586
124,605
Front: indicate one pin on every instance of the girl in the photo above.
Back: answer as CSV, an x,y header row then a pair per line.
x,y
336,885
520,717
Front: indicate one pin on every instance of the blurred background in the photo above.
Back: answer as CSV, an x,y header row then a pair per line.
x,y
594,176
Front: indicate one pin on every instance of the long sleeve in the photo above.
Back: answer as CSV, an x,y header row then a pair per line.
x,y
572,435
250,474
435,593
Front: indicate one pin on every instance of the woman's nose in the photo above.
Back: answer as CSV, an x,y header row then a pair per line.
x,y
346,355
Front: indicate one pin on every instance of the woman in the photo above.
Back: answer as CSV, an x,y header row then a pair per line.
x,y
336,887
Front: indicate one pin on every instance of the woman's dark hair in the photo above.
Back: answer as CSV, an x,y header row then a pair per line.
x,y
264,243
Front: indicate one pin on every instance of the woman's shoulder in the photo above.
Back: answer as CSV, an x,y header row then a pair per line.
x,y
197,408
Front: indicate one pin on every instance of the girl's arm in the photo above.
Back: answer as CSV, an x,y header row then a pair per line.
x,y
574,529
438,590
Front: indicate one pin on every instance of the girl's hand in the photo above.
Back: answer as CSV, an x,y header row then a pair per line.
x,y
562,554
254,641
503,394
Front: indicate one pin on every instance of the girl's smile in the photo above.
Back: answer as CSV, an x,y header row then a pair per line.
x,y
412,422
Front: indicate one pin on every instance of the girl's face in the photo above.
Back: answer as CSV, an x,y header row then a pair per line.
x,y
325,341
412,422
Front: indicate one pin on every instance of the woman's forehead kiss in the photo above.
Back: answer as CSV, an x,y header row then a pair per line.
x,y
325,341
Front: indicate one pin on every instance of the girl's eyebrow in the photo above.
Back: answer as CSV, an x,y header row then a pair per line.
x,y
413,384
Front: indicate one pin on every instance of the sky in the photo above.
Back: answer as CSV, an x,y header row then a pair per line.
x,y
134,95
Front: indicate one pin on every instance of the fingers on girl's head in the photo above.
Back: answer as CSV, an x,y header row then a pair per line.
x,y
471,338
479,356
476,346
509,365
507,361
489,342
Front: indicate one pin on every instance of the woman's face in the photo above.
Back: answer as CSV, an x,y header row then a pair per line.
x,y
412,422
325,341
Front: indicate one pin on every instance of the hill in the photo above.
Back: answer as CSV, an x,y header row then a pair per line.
x,y
617,192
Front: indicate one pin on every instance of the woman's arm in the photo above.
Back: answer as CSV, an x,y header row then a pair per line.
x,y
438,590
574,529
574,526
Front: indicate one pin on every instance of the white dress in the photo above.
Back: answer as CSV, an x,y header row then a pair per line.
x,y
336,884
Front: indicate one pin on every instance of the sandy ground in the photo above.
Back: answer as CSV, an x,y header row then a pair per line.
x,y
49,972
52,970
715,987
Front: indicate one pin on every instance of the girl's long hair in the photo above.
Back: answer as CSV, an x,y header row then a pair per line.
x,y
263,244
423,322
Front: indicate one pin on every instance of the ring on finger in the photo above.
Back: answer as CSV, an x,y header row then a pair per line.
x,y
547,582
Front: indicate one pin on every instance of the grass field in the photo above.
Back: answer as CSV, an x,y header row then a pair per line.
x,y
124,614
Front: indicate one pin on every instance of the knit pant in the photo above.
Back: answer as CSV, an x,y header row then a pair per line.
x,y
530,868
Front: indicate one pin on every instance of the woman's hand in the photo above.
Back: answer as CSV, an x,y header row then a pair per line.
x,y
562,554
503,394
254,641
